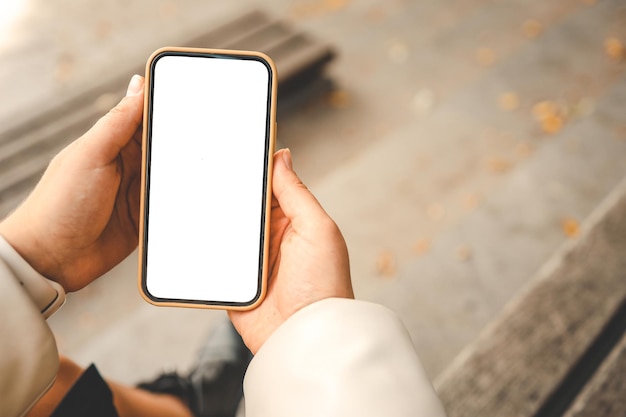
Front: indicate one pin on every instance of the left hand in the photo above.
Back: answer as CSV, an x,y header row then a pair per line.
x,y
82,218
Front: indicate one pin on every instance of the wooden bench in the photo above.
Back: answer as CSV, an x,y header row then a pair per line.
x,y
559,348
26,149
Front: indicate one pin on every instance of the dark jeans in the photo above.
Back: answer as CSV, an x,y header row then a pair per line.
x,y
89,396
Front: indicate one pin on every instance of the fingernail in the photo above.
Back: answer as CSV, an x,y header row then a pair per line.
x,y
134,86
287,158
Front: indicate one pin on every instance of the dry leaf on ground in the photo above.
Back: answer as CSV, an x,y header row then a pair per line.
x,y
464,253
470,201
545,109
317,8
614,48
334,5
549,115
103,29
339,99
421,247
486,57
398,52
386,264
552,124
531,28
436,211
375,14
508,101
498,165
65,68
168,10
570,227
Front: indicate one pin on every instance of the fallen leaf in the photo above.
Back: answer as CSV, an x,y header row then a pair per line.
x,y
317,8
614,48
421,247
300,11
334,5
570,227
464,253
470,201
65,67
398,52
375,14
552,124
339,99
508,101
103,29
436,211
386,264
486,57
549,115
544,109
498,165
168,9
531,29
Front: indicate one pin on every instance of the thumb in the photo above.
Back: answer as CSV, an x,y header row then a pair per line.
x,y
294,198
115,129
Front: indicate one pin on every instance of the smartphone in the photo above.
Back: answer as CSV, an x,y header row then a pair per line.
x,y
208,141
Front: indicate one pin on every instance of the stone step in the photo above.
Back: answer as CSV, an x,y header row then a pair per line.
x,y
535,358
604,395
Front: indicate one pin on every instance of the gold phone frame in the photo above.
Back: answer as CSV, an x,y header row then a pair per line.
x,y
271,143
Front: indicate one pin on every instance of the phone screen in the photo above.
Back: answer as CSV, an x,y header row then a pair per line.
x,y
208,141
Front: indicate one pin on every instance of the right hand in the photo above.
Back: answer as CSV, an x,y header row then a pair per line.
x,y
308,257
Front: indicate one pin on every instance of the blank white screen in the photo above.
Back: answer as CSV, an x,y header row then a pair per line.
x,y
208,141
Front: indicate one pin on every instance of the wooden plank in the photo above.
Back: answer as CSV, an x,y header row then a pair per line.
x,y
605,394
525,355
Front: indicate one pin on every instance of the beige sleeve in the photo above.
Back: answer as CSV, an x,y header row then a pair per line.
x,y
339,357
28,354
47,295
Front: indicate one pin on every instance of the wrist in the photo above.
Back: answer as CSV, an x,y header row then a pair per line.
x,y
46,295
17,235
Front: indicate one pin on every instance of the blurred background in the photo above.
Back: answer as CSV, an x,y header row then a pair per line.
x,y
457,143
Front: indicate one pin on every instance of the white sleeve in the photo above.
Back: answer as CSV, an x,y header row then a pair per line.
x,y
339,357
47,295
28,354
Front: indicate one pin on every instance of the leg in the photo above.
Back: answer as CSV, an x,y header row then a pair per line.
x,y
128,401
